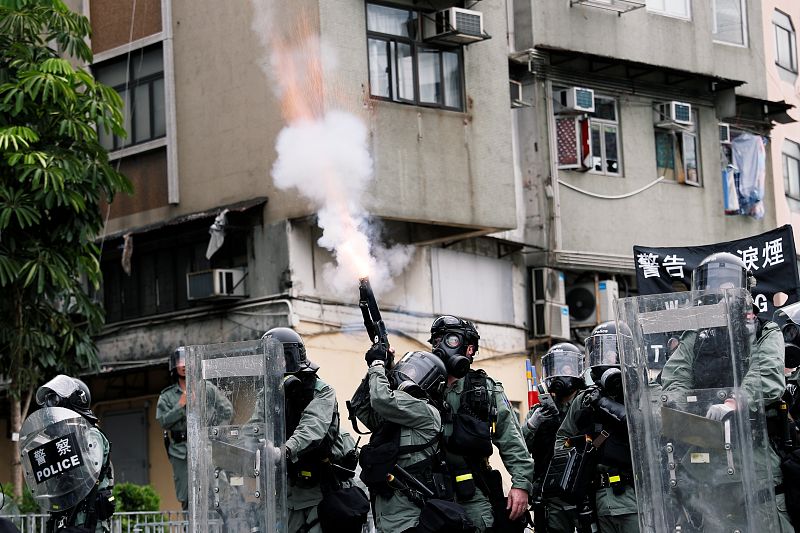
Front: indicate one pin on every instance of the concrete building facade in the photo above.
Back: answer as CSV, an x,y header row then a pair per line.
x,y
474,178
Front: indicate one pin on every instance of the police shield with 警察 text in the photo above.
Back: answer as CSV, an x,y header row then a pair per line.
x,y
562,369
592,455
477,417
701,445
66,458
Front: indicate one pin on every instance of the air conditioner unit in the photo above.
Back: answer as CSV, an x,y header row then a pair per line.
x,y
515,88
724,133
587,308
675,112
215,284
547,285
454,25
551,320
575,100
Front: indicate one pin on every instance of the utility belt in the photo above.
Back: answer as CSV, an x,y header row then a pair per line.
x,y
620,479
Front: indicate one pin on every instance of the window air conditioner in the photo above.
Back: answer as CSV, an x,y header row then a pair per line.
x,y
587,309
515,88
675,112
215,284
454,25
576,100
724,133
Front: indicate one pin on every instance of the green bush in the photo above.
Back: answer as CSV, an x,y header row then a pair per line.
x,y
12,506
132,497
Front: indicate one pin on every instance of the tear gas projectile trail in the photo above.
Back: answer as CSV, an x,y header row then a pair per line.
x,y
324,155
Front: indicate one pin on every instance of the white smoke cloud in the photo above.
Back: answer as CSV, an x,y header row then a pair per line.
x,y
324,154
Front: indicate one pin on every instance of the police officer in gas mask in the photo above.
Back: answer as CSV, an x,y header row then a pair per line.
x,y
599,412
477,416
402,465
703,361
562,368
314,441
66,458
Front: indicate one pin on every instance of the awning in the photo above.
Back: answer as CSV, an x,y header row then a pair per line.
x,y
238,207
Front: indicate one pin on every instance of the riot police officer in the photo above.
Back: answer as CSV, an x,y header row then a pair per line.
x,y
478,415
406,426
171,415
700,362
312,428
562,368
66,458
599,411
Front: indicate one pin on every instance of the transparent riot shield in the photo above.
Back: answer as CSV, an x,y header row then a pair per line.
x,y
62,455
701,457
237,471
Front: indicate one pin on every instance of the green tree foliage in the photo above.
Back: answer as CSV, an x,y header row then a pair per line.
x,y
54,175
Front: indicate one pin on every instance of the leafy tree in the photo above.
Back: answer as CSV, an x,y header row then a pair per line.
x,y
54,176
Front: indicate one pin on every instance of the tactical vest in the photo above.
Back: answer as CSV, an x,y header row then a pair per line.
x,y
713,364
615,452
473,423
308,470
544,444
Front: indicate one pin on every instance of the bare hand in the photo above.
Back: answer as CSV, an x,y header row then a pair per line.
x,y
517,503
182,400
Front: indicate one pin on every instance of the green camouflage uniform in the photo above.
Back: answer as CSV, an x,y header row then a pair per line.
x,y
172,418
507,437
766,379
615,513
559,520
419,423
316,422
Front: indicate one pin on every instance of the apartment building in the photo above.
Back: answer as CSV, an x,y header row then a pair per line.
x,y
203,117
780,19
625,114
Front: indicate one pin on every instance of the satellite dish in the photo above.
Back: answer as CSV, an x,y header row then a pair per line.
x,y
582,303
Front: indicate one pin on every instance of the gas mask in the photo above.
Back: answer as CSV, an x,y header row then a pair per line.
x,y
561,386
791,338
611,382
292,386
451,350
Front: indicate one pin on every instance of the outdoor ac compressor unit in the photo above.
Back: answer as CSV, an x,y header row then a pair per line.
x,y
215,284
587,308
550,313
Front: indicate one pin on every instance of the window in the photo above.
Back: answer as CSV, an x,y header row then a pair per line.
x,y
404,69
138,77
785,44
671,8
791,169
729,21
604,137
678,153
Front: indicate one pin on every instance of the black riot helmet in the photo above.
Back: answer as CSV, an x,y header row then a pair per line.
x,y
562,367
450,337
420,374
68,392
294,351
722,270
176,359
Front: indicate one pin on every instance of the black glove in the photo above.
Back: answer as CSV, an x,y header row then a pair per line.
x,y
378,352
592,396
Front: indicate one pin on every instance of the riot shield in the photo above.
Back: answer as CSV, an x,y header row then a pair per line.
x,y
701,457
235,420
62,455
